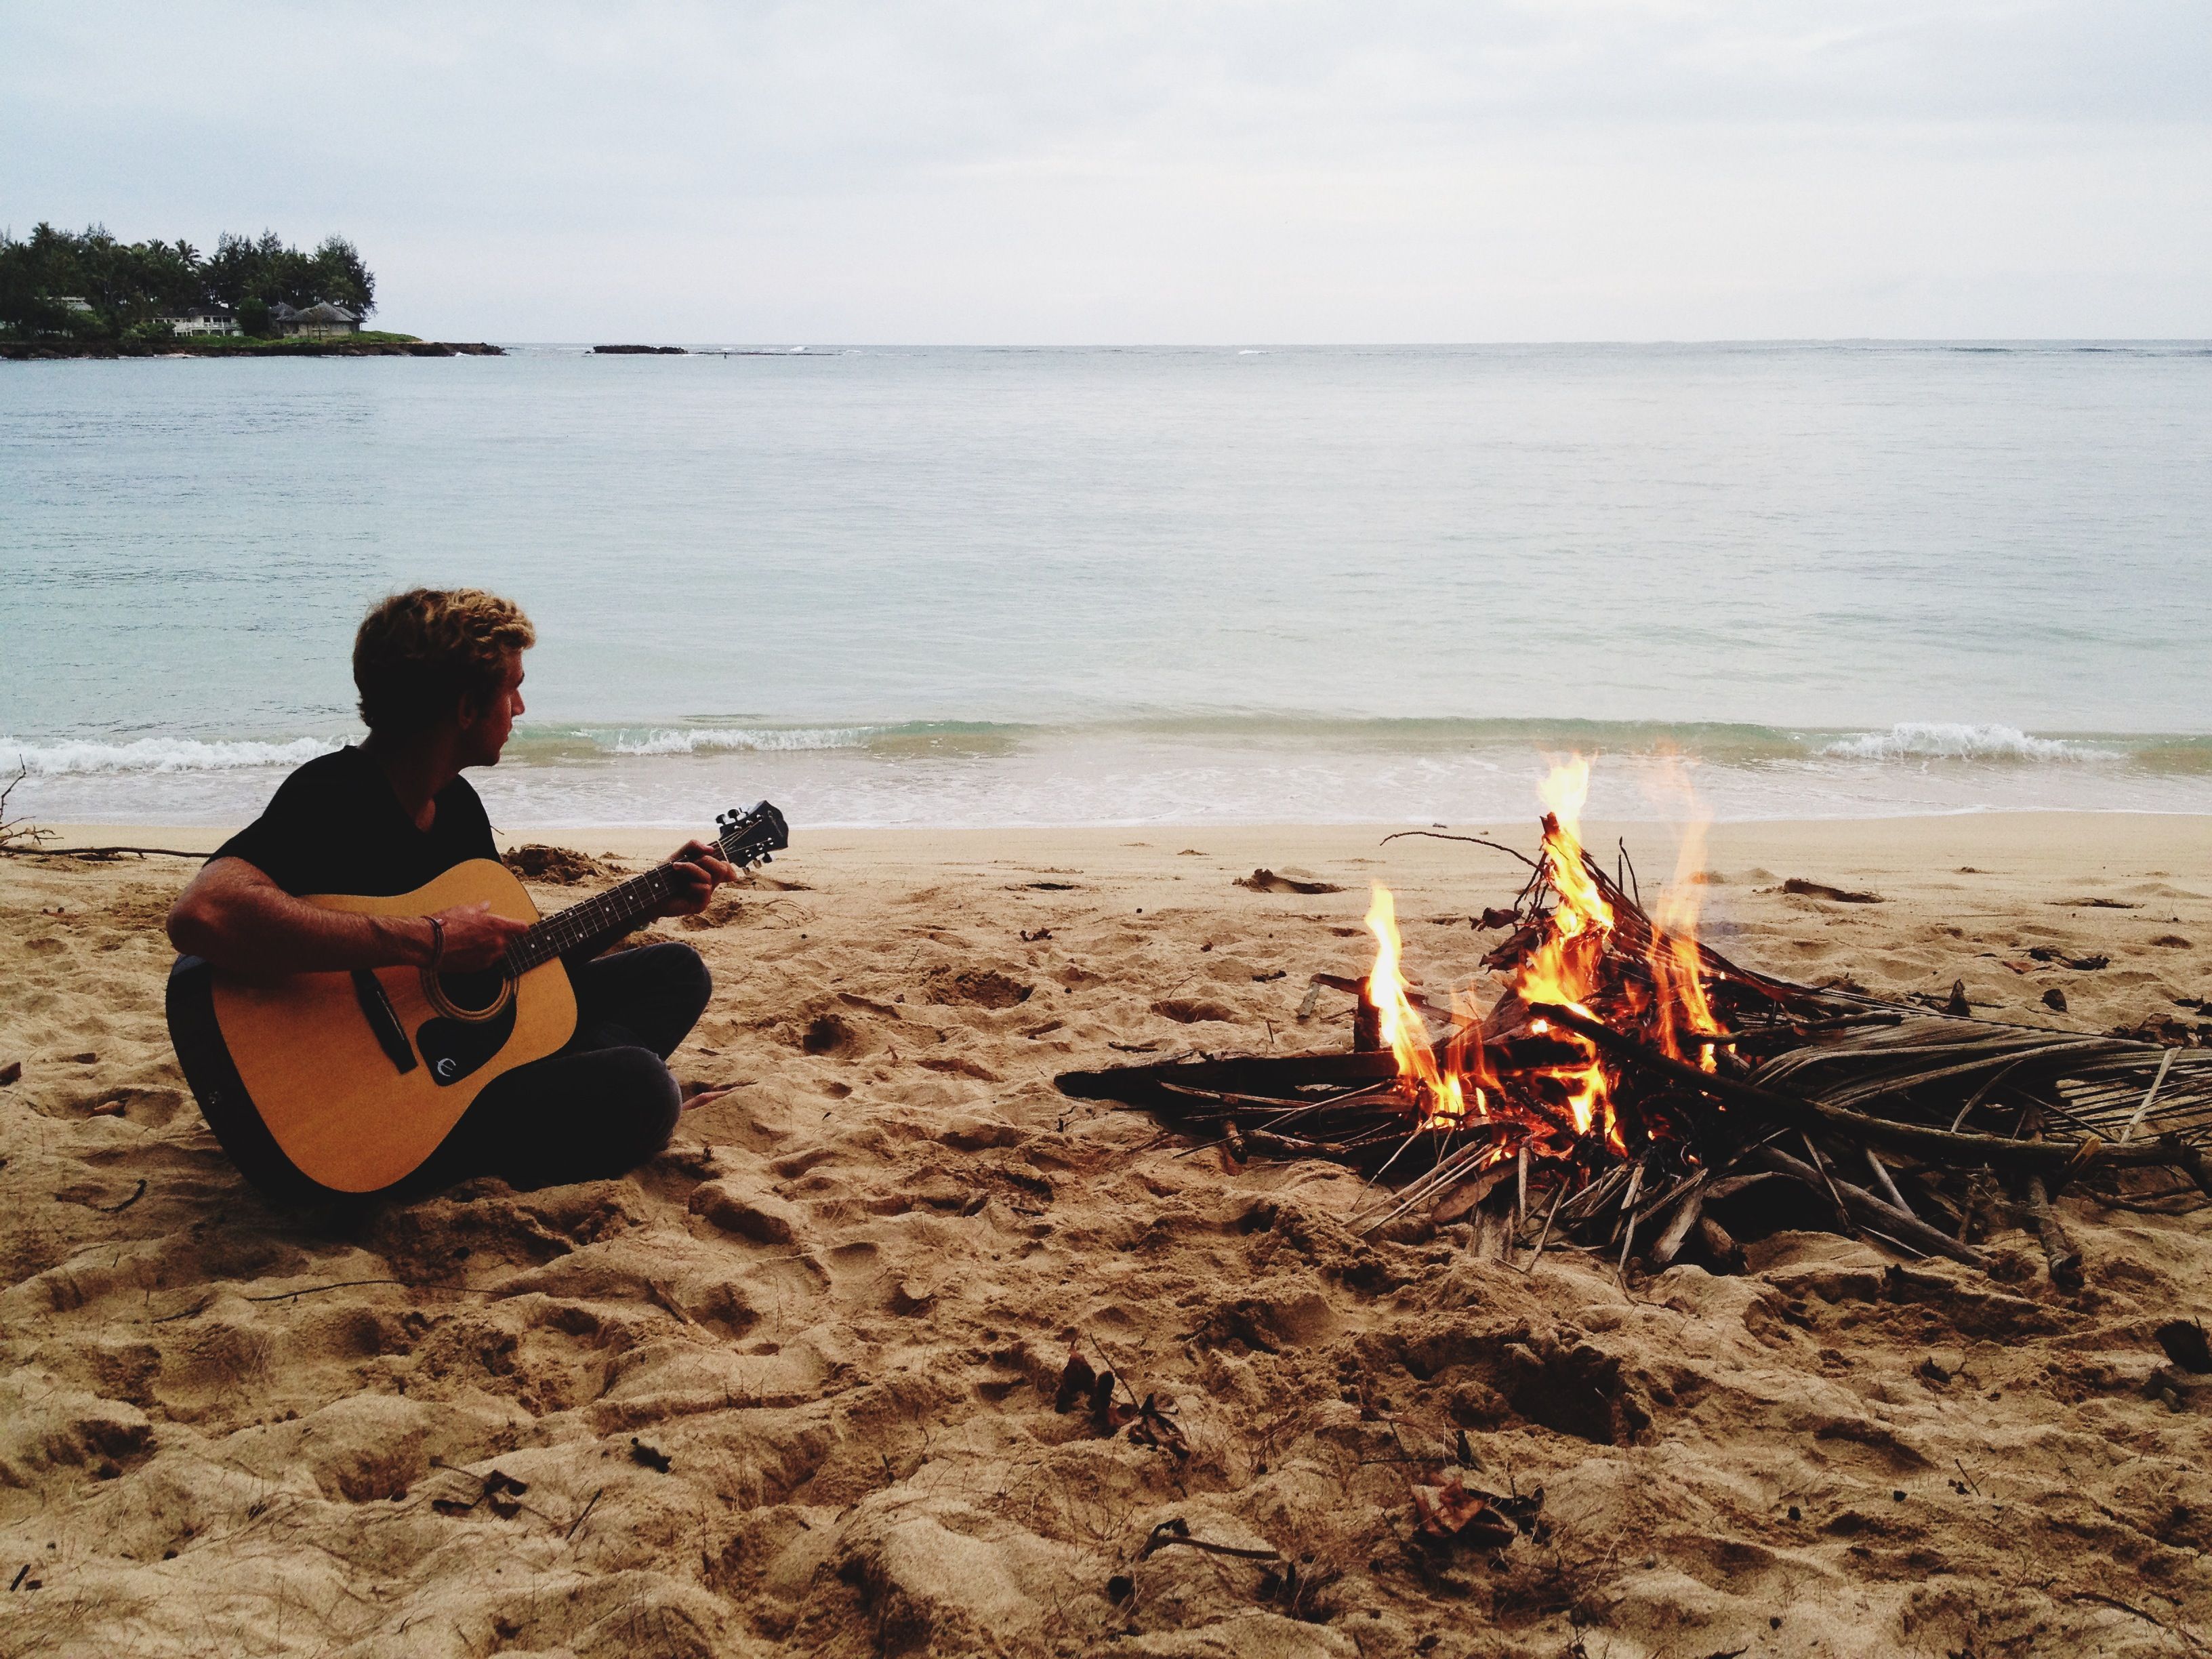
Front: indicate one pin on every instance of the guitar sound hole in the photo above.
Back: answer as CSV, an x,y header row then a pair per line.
x,y
473,993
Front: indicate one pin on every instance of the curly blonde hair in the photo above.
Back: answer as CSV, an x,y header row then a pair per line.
x,y
419,653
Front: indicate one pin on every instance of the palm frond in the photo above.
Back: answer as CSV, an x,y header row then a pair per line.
x,y
1946,1072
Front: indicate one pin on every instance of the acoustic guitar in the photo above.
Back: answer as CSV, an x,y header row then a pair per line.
x,y
321,1084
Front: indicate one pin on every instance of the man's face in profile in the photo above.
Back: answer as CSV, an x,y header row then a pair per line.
x,y
486,726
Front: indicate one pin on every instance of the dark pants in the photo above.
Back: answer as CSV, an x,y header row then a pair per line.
x,y
605,1103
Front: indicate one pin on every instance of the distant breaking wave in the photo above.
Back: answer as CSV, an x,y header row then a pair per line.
x,y
674,740
1929,740
79,758
913,737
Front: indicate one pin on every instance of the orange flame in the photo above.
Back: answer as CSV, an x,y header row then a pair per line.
x,y
1445,1100
1677,971
1563,967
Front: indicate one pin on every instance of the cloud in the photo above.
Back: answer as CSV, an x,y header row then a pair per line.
x,y
1577,168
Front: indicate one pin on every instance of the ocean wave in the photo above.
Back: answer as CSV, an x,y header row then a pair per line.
x,y
1715,743
1946,740
936,739
1492,741
80,758
1720,740
711,739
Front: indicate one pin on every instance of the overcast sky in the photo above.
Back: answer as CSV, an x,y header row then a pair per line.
x,y
837,171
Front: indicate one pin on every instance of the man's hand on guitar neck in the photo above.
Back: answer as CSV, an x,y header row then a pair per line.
x,y
698,869
701,869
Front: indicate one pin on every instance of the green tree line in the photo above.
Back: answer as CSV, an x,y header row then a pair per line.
x,y
129,284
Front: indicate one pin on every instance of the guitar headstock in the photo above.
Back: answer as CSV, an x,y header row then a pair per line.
x,y
753,836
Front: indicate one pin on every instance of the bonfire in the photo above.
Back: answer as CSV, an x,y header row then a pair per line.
x,y
1627,1085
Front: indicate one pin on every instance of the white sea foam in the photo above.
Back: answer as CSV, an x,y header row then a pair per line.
x,y
1946,740
80,758
768,740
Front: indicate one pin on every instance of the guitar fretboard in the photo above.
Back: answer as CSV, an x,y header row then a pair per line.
x,y
612,911
743,842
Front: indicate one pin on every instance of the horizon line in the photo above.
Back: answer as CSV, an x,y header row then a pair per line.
x,y
775,349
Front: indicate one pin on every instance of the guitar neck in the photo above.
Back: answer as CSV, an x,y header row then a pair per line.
x,y
613,911
747,838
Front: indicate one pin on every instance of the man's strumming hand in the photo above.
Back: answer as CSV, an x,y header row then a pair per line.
x,y
701,870
475,938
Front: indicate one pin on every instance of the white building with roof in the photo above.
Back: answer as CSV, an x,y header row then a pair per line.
x,y
199,320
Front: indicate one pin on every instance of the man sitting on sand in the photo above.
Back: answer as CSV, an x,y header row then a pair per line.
x,y
441,680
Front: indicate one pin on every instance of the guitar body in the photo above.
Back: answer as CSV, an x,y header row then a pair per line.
x,y
319,1084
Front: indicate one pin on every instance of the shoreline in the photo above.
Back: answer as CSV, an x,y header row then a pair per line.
x,y
2175,837
20,351
1253,772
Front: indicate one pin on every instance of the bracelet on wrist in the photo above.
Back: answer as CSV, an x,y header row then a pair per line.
x,y
437,942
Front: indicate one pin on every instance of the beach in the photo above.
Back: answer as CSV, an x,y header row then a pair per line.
x,y
792,1386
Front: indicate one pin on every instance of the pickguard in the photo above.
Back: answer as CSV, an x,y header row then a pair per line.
x,y
455,1048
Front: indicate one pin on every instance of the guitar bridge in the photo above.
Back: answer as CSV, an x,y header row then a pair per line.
x,y
376,1007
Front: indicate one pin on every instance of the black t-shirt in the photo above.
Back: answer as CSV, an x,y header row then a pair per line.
x,y
334,826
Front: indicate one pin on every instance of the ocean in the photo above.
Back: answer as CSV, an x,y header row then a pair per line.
x,y
938,586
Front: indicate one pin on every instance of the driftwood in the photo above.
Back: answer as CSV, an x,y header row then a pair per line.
x,y
21,839
1876,1213
2064,1260
99,853
18,835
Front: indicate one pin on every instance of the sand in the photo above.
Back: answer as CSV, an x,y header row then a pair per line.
x,y
791,1387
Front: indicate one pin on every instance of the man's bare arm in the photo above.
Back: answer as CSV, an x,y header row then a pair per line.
x,y
238,919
